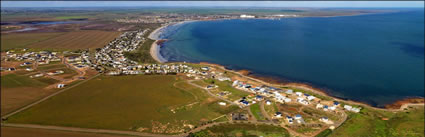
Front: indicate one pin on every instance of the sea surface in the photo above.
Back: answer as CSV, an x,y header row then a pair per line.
x,y
374,58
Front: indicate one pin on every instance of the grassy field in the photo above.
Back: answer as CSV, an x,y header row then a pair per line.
x,y
51,66
15,81
78,40
157,104
245,130
23,40
370,123
255,109
142,54
227,86
18,90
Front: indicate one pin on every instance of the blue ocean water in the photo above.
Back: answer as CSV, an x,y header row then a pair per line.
x,y
374,58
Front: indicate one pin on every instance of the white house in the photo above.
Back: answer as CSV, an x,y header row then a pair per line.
x,y
247,16
289,91
332,108
268,102
318,106
299,94
310,98
324,119
357,110
60,86
348,107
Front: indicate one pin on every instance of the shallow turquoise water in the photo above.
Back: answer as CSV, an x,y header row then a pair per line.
x,y
375,58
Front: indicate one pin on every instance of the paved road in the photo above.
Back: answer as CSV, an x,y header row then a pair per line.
x,y
45,98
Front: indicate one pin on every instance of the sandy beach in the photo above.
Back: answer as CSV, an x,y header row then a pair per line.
x,y
154,50
155,35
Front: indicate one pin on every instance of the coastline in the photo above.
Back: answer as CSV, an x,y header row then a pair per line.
x,y
155,35
394,106
154,50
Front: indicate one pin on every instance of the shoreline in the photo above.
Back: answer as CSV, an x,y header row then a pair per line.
x,y
396,105
154,50
154,35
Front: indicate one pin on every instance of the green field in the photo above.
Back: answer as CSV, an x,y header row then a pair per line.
x,y
147,103
23,40
50,66
227,86
143,53
255,109
245,130
16,81
370,123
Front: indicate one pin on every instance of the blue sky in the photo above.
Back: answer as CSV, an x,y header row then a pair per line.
x,y
213,3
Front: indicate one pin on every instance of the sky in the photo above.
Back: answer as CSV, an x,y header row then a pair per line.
x,y
354,4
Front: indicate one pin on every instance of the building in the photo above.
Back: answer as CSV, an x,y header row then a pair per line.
x,y
247,16
278,114
60,86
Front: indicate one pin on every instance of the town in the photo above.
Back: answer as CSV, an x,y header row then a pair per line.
x,y
293,110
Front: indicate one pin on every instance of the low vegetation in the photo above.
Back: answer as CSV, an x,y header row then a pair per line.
x,y
78,40
142,54
23,40
99,103
380,124
242,130
255,110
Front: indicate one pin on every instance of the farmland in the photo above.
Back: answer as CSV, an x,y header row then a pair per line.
x,y
178,106
23,40
18,90
28,132
78,40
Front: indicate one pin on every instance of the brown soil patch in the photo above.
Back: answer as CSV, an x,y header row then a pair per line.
x,y
398,104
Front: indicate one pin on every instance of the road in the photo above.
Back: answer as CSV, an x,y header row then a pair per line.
x,y
263,111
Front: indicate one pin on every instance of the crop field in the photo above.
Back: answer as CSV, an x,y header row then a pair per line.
x,y
30,132
18,90
153,103
234,130
78,40
23,40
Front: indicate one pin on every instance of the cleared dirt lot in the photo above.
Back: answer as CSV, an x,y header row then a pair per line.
x,y
29,132
78,40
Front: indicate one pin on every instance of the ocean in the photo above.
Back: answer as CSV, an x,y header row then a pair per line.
x,y
372,58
